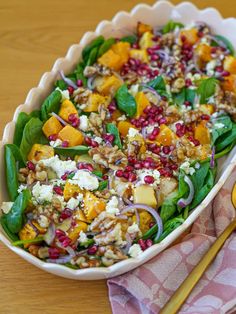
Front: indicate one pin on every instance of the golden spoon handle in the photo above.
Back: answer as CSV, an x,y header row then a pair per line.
x,y
181,294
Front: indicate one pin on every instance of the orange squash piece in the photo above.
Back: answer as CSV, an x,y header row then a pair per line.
x,y
166,136
203,51
142,102
94,101
201,133
109,85
143,28
67,108
74,233
93,205
146,40
116,114
51,126
190,35
123,127
122,49
230,64
39,151
73,136
111,60
207,108
140,54
71,190
229,83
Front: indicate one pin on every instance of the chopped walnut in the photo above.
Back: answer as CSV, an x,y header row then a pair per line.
x,y
95,123
178,84
191,116
96,69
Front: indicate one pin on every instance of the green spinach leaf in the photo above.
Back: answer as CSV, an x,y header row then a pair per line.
x,y
171,26
225,42
71,151
112,129
106,46
158,84
170,226
226,139
126,101
97,42
3,222
206,89
221,126
11,173
51,104
186,94
132,39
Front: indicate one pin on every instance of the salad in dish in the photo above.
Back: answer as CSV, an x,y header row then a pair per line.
x,y
124,148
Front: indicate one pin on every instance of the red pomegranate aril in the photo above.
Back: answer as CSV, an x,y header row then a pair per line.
x,y
30,165
53,252
72,117
119,173
155,131
179,133
126,175
52,137
149,243
149,179
205,117
154,57
196,142
88,141
64,176
166,149
58,190
162,121
145,123
109,138
146,110
187,103
94,144
66,213
104,177
79,83
173,167
59,233
213,49
183,38
132,177
153,165
219,69
135,46
70,90
146,164
66,242
138,165
178,126
151,137
92,250
142,244
151,224
75,123
112,106
129,168
65,144
131,160
200,34
149,159
188,82
225,73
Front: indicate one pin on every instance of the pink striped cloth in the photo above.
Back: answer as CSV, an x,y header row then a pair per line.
x,y
146,289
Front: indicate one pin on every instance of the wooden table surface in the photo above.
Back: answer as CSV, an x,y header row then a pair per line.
x,y
32,35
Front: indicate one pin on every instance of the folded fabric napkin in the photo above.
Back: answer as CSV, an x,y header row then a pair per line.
x,y
146,289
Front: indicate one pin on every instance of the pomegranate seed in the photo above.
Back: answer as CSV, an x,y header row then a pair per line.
x,y
64,176
155,131
105,177
129,168
149,243
72,117
112,106
52,137
88,141
70,90
213,49
135,46
174,167
109,138
138,165
162,121
65,144
148,179
188,82
154,57
205,117
94,143
126,175
66,213
53,253
225,73
92,250
183,38
163,160
187,103
60,232
151,224
66,242
219,69
142,244
30,165
58,190
119,173
151,137
166,149
147,109
132,177
146,164
196,142
131,160
79,83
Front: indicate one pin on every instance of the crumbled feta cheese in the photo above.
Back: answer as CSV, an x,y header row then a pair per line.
x,y
82,237
83,123
134,89
132,132
59,166
98,139
219,125
117,233
122,118
211,65
135,250
6,207
112,206
42,193
134,228
64,94
80,197
186,168
21,188
72,203
148,172
43,221
85,180
55,143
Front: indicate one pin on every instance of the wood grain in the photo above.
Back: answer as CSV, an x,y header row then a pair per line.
x,y
32,35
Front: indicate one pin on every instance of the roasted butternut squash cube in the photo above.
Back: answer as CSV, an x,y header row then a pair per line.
x,y
230,64
94,101
229,83
207,108
140,54
166,136
123,127
93,205
201,133
109,85
146,40
116,114
111,60
145,194
122,49
80,216
144,221
71,190
27,233
74,233
142,102
39,151
143,28
73,136
51,126
67,108
203,51
190,35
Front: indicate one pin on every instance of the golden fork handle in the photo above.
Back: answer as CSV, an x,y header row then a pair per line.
x,y
181,294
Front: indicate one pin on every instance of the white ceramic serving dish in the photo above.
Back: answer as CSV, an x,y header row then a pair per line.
x,y
121,24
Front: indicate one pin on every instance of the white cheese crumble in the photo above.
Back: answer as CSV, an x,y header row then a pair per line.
x,y
72,203
186,168
85,180
135,250
55,143
134,228
132,132
134,89
43,221
98,139
219,125
59,166
117,233
21,188
148,172
122,118
112,206
64,94
82,237
83,123
42,193
6,207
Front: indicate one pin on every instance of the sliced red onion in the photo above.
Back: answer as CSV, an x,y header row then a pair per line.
x,y
149,209
50,234
70,251
67,80
183,202
129,241
90,82
144,132
137,217
163,54
149,89
127,201
122,217
59,118
212,161
61,260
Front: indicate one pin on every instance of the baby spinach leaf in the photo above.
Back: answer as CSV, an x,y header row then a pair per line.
x,y
217,131
225,42
97,42
171,26
98,173
71,151
14,219
226,139
93,56
102,185
158,84
186,94
169,206
27,241
32,134
3,222
51,104
61,84
79,72
106,46
126,101
170,226
112,129
225,151
11,173
132,39
206,89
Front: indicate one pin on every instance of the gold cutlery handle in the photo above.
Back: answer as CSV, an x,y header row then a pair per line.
x,y
181,294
